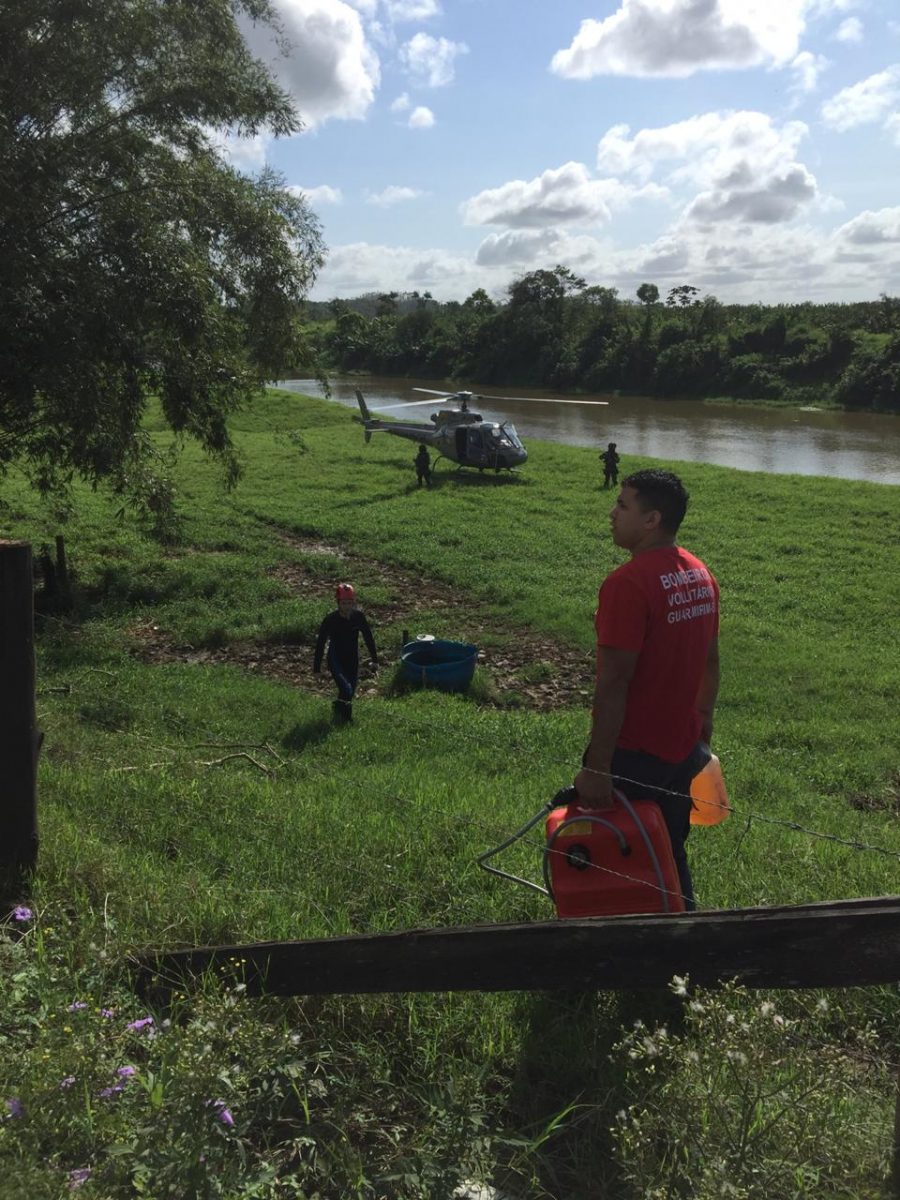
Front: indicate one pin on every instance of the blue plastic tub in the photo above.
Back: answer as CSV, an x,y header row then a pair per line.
x,y
448,666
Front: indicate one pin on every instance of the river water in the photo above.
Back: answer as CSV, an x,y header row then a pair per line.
x,y
779,440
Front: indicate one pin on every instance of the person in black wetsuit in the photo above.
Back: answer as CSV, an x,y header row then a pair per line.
x,y
610,460
423,465
341,630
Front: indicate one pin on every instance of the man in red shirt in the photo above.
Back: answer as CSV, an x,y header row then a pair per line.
x,y
657,627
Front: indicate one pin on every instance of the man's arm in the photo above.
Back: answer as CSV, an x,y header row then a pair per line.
x,y
368,638
709,689
320,646
615,670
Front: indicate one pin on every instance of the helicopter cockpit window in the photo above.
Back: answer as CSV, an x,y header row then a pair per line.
x,y
504,435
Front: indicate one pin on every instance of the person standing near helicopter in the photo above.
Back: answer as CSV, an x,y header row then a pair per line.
x,y
657,625
610,460
423,465
341,630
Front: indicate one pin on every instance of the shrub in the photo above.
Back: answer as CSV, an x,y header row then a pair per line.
x,y
872,380
746,376
750,1104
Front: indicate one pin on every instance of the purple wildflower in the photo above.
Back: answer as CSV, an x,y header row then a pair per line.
x,y
108,1092
108,1013
22,913
223,1113
79,1176
141,1023
65,1084
15,1106
77,1006
126,1072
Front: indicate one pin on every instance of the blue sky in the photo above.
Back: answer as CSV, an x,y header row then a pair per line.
x,y
748,147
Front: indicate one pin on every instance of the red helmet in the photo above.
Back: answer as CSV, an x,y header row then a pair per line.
x,y
344,591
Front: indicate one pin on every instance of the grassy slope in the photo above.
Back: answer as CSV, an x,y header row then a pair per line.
x,y
376,826
806,567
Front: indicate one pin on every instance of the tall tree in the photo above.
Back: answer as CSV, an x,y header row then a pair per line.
x,y
133,258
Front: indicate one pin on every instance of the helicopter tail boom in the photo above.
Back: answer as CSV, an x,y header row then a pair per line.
x,y
368,421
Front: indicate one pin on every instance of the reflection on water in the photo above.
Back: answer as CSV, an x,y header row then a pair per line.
x,y
779,440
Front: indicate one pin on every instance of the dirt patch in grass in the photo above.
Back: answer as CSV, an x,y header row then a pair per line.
x,y
887,799
527,668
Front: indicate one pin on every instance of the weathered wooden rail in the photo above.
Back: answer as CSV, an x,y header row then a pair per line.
x,y
847,943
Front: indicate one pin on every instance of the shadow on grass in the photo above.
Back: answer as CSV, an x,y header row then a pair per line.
x,y
364,501
481,689
568,1088
471,477
307,733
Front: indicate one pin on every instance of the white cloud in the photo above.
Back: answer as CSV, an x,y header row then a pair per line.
x,y
892,125
744,198
807,68
675,38
330,68
401,104
247,154
850,30
560,196
393,195
743,163
740,264
869,100
323,194
421,118
431,61
519,247
412,10
872,228
368,8
364,267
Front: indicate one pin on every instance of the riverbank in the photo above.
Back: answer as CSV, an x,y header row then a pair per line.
x,y
196,800
773,439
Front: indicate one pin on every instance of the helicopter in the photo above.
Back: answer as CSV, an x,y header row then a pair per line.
x,y
458,432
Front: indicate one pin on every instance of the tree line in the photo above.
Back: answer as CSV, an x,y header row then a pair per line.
x,y
555,331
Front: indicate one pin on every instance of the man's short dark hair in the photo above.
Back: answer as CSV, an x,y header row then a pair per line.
x,y
663,491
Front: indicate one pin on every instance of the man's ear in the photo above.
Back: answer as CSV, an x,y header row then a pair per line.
x,y
653,519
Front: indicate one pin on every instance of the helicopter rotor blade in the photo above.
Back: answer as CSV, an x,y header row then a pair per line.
x,y
405,404
542,400
432,392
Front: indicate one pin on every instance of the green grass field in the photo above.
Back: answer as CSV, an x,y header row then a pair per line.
x,y
193,790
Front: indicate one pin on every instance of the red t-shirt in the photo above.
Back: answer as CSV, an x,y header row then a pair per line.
x,y
663,604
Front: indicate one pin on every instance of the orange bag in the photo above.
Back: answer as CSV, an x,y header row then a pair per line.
x,y
709,794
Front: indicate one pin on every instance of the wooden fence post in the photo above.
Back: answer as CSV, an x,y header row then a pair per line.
x,y
19,737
